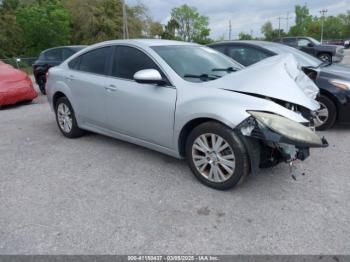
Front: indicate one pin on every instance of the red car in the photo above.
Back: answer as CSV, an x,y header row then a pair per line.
x,y
15,86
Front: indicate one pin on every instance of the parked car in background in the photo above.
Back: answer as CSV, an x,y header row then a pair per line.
x,y
188,101
332,79
49,58
15,86
327,53
347,43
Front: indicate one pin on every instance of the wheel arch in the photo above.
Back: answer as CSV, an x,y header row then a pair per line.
x,y
188,127
57,96
325,52
332,98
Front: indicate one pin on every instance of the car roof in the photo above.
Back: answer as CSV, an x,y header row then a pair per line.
x,y
249,42
67,46
146,42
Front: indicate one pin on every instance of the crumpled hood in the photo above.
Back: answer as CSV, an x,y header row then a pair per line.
x,y
277,77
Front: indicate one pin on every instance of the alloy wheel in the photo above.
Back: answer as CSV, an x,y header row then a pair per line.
x,y
325,58
64,116
322,115
213,157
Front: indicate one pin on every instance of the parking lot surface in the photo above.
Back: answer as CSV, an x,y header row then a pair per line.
x,y
97,195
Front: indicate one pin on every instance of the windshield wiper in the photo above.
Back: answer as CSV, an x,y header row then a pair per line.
x,y
228,69
204,77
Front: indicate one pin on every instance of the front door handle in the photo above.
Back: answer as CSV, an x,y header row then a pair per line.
x,y
111,88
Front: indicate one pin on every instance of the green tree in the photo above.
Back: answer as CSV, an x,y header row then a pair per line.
x,y
9,5
155,29
244,36
11,40
302,21
270,33
44,24
191,25
170,30
346,22
95,21
99,20
334,28
138,21
267,31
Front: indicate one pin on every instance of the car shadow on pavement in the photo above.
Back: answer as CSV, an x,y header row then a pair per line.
x,y
270,177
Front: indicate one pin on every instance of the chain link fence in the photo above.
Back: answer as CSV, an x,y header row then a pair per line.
x,y
22,63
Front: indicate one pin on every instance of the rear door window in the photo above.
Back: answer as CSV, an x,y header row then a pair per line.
x,y
95,61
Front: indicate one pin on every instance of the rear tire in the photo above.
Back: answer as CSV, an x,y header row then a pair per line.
x,y
329,113
222,161
66,120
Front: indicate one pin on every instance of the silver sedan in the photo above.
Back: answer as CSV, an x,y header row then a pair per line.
x,y
188,101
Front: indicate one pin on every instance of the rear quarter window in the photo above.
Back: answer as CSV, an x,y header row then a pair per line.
x,y
74,64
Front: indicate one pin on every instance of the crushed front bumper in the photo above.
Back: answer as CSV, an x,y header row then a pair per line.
x,y
268,148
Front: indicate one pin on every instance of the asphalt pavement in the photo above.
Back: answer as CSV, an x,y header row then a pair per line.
x,y
97,195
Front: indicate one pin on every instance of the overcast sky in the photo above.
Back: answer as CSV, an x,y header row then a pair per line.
x,y
245,15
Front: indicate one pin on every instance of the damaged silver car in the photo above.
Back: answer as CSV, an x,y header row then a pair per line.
x,y
189,101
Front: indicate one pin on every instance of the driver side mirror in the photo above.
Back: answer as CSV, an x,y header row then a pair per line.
x,y
149,76
310,45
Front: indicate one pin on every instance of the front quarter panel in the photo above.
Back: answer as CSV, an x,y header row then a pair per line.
x,y
227,107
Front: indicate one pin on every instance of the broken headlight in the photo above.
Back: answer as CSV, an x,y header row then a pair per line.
x,y
287,128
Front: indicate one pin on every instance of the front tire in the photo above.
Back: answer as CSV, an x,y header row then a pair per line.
x,y
216,155
325,57
66,120
326,115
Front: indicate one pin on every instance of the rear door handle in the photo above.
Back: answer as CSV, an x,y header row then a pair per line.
x,y
111,88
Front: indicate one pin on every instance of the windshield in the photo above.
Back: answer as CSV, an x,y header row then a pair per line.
x,y
197,63
303,59
314,41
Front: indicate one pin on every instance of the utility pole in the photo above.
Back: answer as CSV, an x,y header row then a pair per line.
x,y
323,12
125,23
251,33
287,18
229,30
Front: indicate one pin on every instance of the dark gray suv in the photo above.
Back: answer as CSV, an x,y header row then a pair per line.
x,y
327,53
